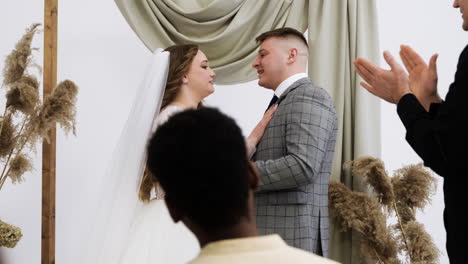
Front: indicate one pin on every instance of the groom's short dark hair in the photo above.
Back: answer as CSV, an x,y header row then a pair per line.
x,y
199,157
282,33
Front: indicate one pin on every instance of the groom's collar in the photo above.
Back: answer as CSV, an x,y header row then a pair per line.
x,y
288,82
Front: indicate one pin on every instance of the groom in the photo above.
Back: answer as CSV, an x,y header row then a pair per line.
x,y
294,157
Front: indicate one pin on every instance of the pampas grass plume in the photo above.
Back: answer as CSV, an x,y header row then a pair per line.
x,y
375,175
7,140
18,166
19,59
413,186
58,107
420,243
364,214
24,95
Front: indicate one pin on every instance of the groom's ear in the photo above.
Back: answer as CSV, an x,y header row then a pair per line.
x,y
175,212
292,55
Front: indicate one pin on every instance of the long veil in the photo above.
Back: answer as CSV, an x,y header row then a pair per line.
x,y
118,200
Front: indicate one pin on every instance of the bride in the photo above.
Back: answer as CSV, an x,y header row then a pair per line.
x,y
132,223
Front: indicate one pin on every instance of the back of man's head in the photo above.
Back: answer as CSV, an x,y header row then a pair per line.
x,y
199,158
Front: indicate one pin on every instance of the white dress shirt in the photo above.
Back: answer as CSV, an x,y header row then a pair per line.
x,y
283,86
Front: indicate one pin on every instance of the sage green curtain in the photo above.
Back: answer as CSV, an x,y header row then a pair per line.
x,y
224,29
338,32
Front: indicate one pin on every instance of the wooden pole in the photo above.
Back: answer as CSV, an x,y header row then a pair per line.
x,y
49,149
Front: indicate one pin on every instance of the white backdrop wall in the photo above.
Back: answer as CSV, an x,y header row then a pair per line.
x,y
429,27
20,204
98,51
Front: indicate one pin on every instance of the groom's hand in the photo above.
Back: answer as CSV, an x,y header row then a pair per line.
x,y
258,131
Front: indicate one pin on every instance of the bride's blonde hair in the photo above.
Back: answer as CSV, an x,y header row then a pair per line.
x,y
180,59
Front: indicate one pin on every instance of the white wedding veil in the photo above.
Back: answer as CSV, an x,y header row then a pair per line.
x,y
118,201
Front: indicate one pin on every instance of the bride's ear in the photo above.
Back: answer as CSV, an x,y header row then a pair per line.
x,y
175,213
184,80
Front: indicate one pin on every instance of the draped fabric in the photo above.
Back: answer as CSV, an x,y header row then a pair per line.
x,y
338,32
224,30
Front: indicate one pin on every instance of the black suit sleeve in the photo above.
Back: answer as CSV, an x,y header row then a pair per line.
x,y
422,131
439,136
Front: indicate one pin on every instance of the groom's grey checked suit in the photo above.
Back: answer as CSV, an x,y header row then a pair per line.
x,y
294,159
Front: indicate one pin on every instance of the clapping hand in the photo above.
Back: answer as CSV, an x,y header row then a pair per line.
x,y
423,78
390,85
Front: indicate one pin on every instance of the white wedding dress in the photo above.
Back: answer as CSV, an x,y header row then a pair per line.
x,y
121,228
155,238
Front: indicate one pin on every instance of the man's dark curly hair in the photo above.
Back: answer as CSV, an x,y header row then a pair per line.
x,y
199,157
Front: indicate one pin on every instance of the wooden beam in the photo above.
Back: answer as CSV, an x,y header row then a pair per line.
x,y
49,149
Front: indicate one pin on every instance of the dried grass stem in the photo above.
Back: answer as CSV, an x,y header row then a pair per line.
x,y
3,176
